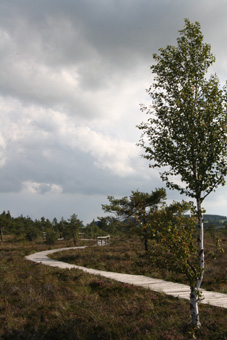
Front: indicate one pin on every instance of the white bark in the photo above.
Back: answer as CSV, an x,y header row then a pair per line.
x,y
195,294
200,244
194,307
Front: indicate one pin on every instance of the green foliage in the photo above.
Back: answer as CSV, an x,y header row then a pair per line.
x,y
188,131
136,210
68,229
51,236
73,227
174,242
32,232
170,231
63,229
135,204
92,230
5,219
24,228
110,225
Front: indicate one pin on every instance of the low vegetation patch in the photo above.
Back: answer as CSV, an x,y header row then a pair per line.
x,y
127,255
39,302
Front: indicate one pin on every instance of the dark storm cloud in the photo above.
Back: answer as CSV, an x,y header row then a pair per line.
x,y
72,75
95,43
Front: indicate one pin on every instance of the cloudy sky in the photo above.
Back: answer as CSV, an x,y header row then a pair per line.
x,y
72,76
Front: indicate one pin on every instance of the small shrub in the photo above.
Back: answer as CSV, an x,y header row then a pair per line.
x,y
51,237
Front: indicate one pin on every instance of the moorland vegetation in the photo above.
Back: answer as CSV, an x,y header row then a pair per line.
x,y
40,302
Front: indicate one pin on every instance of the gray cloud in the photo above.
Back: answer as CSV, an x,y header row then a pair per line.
x,y
54,52
72,76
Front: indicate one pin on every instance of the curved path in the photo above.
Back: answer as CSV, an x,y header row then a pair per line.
x,y
169,288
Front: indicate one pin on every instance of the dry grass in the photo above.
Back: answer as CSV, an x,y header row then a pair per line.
x,y
38,302
127,256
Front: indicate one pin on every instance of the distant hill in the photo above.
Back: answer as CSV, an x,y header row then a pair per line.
x,y
214,217
217,220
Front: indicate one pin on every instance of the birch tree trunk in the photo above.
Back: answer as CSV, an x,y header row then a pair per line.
x,y
200,243
195,291
194,307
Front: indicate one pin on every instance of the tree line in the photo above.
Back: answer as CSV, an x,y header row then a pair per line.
x,y
24,228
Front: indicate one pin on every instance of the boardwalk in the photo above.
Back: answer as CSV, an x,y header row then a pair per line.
x,y
169,288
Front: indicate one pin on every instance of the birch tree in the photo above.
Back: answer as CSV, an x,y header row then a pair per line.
x,y
185,134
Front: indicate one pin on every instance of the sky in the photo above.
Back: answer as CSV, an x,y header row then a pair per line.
x,y
73,74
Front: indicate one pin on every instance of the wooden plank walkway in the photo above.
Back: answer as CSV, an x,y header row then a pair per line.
x,y
169,288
